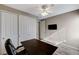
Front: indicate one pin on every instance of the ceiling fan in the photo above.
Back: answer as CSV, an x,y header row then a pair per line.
x,y
45,9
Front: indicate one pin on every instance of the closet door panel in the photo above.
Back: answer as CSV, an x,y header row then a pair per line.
x,y
42,29
9,29
14,30
27,28
23,30
5,18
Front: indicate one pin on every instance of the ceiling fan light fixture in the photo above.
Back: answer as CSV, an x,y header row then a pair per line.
x,y
44,13
45,10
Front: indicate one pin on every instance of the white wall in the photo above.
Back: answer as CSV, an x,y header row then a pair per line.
x,y
67,29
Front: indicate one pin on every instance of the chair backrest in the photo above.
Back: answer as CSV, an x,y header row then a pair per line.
x,y
9,47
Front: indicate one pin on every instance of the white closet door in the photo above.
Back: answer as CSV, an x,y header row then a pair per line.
x,y
27,28
14,29
42,29
23,28
9,28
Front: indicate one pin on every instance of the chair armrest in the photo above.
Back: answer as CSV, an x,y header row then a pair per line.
x,y
19,47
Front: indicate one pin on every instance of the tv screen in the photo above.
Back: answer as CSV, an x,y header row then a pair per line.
x,y
52,26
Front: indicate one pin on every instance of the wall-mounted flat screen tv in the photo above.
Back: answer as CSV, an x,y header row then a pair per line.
x,y
52,27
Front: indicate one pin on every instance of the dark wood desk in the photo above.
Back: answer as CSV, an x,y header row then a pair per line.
x,y
37,47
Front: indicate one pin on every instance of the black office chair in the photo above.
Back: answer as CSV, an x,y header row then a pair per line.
x,y
11,50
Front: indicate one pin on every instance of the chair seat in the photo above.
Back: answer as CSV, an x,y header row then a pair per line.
x,y
23,52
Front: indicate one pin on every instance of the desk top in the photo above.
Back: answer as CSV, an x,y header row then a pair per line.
x,y
37,47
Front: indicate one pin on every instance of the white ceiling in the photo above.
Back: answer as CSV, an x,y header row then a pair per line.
x,y
34,9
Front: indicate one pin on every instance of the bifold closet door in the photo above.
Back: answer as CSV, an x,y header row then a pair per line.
x,y
27,28
9,29
23,28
